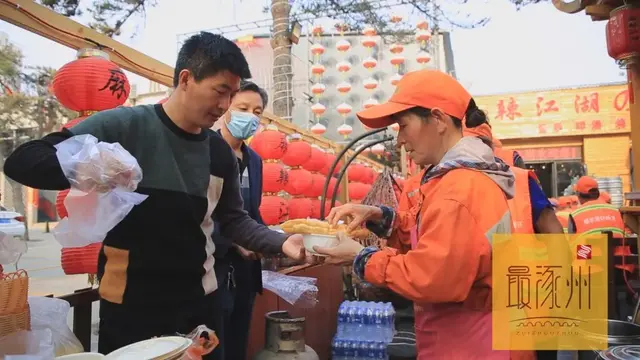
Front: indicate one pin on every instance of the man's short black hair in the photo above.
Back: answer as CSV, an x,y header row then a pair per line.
x,y
246,85
206,54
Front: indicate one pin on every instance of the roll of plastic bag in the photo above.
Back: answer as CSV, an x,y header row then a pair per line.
x,y
296,290
51,314
103,180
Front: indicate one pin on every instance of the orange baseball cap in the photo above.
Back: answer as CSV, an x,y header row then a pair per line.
x,y
585,184
483,130
425,88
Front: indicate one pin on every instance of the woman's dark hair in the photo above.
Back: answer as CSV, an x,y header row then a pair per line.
x,y
473,116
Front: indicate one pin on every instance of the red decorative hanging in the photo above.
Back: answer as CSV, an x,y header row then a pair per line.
x,y
270,144
299,208
357,191
300,180
330,158
315,209
274,177
274,210
90,83
317,160
317,185
356,172
332,186
298,151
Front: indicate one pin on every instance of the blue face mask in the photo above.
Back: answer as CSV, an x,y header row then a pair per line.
x,y
242,125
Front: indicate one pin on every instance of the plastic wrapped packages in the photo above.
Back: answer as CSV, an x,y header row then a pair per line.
x,y
37,344
103,179
296,290
51,314
11,249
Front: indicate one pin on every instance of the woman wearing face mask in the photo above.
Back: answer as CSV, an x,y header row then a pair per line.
x,y
462,203
238,270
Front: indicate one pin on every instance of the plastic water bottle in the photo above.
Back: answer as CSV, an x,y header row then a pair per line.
x,y
387,321
369,322
337,352
351,319
342,318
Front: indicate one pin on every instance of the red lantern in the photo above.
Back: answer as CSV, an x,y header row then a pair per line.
x,y
330,158
299,208
356,172
298,151
317,185
315,209
274,177
90,83
300,180
317,160
270,144
357,191
274,210
332,186
623,42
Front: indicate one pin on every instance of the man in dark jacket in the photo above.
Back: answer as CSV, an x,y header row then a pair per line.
x,y
238,269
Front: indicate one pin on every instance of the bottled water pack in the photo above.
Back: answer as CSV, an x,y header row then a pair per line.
x,y
364,331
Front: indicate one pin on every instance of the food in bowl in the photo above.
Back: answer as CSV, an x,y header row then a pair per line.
x,y
318,227
311,240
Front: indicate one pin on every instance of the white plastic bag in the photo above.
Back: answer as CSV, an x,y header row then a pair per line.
x,y
296,290
37,343
103,179
11,249
51,314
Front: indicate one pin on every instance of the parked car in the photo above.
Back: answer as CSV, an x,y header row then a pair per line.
x,y
12,223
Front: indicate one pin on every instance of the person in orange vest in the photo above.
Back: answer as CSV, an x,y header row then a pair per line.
x,y
511,157
531,210
462,204
562,212
605,197
595,216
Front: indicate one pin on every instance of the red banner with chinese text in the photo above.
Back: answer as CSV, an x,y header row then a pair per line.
x,y
565,112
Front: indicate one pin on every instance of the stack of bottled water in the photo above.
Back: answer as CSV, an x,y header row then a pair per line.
x,y
364,331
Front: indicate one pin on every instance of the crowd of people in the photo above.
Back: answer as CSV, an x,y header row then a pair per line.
x,y
189,254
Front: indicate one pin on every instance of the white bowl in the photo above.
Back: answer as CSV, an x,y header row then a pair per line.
x,y
81,356
311,240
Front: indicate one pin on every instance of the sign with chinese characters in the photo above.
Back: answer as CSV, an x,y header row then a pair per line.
x,y
549,292
566,112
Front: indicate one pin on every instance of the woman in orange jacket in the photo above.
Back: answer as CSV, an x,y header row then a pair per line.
x,y
462,204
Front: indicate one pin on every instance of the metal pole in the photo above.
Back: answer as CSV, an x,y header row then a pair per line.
x,y
344,170
337,160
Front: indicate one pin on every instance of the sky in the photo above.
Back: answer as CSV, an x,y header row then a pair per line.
x,y
535,48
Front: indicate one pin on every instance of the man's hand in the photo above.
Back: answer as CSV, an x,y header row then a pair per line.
x,y
342,254
247,254
357,214
293,247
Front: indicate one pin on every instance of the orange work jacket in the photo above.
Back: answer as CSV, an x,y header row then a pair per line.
x,y
448,275
595,217
563,217
406,233
520,205
505,155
